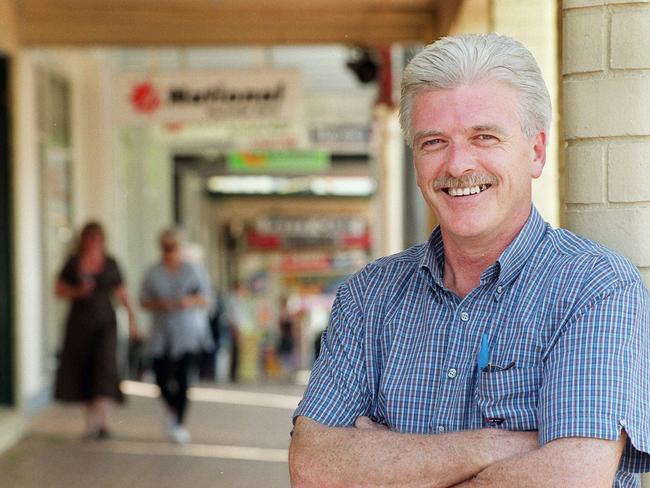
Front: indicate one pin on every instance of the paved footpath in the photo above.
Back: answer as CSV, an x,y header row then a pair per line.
x,y
239,434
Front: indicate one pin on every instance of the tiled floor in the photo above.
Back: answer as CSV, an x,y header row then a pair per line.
x,y
239,439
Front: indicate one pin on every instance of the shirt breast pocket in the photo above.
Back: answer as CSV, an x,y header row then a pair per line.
x,y
508,399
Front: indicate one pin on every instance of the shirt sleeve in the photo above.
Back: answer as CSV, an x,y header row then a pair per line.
x,y
337,392
596,375
205,286
146,288
68,273
116,278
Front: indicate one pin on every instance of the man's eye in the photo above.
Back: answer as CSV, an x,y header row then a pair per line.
x,y
486,137
431,142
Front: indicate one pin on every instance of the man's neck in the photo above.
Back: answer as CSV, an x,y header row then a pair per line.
x,y
467,259
462,271
172,265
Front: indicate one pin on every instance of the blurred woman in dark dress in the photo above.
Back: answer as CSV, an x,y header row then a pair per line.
x,y
88,365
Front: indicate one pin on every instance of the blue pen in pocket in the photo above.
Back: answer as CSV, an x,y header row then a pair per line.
x,y
484,353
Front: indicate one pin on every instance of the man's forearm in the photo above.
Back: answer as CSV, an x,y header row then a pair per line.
x,y
565,462
325,456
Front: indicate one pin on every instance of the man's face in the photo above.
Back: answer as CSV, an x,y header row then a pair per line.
x,y
473,163
170,249
93,241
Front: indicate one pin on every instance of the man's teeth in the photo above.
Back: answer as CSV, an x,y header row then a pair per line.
x,y
470,190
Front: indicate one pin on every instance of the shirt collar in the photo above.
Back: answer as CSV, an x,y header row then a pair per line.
x,y
508,265
516,255
434,257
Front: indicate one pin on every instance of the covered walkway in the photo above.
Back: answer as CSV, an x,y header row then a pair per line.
x,y
240,437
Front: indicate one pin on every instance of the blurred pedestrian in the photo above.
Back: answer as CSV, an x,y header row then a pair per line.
x,y
286,339
208,369
87,370
243,337
178,294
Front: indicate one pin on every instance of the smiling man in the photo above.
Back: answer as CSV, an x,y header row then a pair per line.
x,y
502,352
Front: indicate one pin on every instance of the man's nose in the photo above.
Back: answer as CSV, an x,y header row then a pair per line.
x,y
459,160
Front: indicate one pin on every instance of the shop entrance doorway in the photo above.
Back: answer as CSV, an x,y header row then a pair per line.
x,y
6,319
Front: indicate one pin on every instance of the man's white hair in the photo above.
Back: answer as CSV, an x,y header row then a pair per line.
x,y
454,61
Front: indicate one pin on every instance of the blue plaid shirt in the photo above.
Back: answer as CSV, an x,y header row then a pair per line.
x,y
572,316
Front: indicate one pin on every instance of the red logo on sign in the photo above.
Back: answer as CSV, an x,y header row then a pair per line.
x,y
145,97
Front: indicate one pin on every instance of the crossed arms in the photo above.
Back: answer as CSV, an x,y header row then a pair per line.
x,y
610,387
369,455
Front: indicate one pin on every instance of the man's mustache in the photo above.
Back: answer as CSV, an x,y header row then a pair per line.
x,y
465,181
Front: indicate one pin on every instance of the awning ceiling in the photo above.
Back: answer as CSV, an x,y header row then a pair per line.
x,y
230,22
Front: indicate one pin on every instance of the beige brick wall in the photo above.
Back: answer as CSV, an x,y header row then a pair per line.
x,y
567,4
629,172
630,39
589,168
606,115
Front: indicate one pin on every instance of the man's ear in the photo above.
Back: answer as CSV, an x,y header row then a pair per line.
x,y
539,154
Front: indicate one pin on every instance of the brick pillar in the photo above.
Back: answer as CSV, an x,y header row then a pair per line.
x,y
606,116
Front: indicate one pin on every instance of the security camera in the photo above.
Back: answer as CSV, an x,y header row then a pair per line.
x,y
364,66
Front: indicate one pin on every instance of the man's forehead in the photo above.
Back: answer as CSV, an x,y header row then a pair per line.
x,y
479,90
482,105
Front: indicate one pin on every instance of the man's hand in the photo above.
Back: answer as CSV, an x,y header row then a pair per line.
x,y
366,423
191,301
162,304
186,302
165,305
86,288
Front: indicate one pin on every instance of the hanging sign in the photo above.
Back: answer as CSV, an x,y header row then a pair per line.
x,y
294,162
273,94
340,122
284,232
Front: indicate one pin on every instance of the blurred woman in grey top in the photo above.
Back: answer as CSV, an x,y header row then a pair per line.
x,y
178,294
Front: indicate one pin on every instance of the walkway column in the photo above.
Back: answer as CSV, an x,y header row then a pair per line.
x,y
606,116
534,23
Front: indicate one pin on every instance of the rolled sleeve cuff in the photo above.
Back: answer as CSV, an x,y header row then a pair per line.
x,y
636,455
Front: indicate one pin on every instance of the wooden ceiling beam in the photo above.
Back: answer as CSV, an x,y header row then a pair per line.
x,y
315,17
39,23
25,6
115,35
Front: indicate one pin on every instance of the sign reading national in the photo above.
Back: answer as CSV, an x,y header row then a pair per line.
x,y
210,96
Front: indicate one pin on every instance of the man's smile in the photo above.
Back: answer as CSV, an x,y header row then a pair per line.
x,y
464,191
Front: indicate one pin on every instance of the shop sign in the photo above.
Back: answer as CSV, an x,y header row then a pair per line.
x,y
293,162
312,226
341,138
309,232
316,262
237,135
340,122
305,263
207,96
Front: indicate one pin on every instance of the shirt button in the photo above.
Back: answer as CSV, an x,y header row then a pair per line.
x,y
441,428
452,373
464,316
499,289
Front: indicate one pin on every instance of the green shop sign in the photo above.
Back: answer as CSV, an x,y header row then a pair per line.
x,y
278,162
